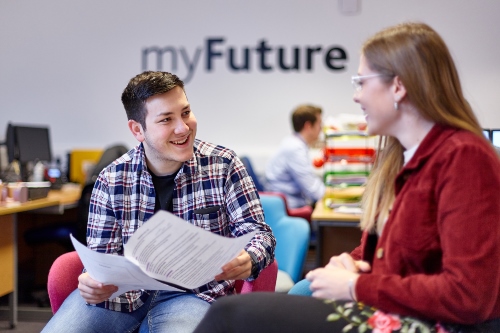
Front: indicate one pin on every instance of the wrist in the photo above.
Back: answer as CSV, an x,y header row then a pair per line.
x,y
352,288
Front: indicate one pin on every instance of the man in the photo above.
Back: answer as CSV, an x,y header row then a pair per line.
x,y
290,171
205,184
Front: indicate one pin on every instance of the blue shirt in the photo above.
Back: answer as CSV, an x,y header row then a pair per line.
x,y
290,172
124,198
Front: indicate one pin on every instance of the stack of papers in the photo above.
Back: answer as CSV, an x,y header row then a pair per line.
x,y
165,253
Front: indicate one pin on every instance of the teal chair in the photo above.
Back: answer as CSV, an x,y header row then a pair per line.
x,y
292,241
302,288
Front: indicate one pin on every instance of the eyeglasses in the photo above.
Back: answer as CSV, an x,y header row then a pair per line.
x,y
357,82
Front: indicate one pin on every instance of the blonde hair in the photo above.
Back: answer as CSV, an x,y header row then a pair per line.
x,y
419,57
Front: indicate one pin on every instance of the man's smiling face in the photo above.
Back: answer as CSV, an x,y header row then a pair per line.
x,y
170,131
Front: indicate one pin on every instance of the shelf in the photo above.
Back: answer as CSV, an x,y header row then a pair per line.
x,y
338,134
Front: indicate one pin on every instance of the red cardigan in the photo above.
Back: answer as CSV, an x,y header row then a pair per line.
x,y
438,256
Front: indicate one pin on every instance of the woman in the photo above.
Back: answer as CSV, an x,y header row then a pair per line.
x,y
429,254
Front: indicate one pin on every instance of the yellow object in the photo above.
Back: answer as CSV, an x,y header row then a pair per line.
x,y
81,162
348,193
7,255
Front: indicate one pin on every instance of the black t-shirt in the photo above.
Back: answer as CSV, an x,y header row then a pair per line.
x,y
164,188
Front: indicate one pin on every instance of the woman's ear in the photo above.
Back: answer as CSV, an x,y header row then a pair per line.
x,y
398,89
136,129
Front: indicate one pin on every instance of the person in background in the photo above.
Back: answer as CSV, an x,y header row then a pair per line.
x,y
290,170
428,259
204,184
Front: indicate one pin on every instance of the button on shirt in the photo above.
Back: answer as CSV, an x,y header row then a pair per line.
x,y
290,172
124,198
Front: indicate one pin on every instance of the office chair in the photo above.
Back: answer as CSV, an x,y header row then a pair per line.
x,y
63,279
304,212
109,155
251,172
292,241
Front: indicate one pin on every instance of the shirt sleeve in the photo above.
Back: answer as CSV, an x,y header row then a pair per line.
x,y
357,253
103,231
246,215
302,173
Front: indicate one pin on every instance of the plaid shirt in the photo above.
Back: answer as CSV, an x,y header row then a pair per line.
x,y
124,198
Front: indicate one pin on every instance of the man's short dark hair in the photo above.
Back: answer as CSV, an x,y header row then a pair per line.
x,y
303,114
143,86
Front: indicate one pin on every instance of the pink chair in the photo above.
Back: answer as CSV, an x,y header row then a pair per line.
x,y
63,279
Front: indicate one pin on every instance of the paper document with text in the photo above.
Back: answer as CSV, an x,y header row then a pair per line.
x,y
165,248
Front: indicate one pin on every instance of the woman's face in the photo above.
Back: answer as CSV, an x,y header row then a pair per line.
x,y
376,99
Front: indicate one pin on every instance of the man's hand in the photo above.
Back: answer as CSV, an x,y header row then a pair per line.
x,y
239,268
92,291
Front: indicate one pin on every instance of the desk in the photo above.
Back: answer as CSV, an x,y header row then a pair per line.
x,y
335,232
56,201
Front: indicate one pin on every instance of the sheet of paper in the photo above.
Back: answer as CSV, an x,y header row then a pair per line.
x,y
170,249
165,248
116,270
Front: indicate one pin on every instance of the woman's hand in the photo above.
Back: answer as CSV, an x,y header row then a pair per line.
x,y
337,280
92,291
332,283
347,262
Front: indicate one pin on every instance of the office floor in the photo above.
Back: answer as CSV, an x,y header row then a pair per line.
x,y
31,317
22,327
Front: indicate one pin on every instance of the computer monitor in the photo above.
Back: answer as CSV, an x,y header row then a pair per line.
x,y
28,144
10,143
495,137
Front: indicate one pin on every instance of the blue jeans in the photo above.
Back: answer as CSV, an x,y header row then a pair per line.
x,y
163,311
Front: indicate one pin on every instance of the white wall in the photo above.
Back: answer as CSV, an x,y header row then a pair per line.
x,y
65,63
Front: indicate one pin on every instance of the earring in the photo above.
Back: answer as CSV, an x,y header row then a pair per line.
x,y
396,106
